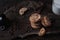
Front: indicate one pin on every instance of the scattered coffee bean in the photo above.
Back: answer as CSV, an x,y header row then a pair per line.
x,y
22,10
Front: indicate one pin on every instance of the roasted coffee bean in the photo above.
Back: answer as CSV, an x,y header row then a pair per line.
x,y
42,32
35,17
46,21
34,25
22,10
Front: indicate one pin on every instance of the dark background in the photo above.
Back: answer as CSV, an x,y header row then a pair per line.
x,y
5,35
